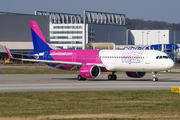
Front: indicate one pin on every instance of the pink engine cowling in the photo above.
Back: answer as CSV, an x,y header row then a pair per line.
x,y
89,71
135,74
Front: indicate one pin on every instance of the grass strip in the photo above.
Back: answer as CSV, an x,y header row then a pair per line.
x,y
36,71
91,105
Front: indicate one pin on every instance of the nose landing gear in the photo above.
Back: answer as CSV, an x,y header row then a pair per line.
x,y
155,79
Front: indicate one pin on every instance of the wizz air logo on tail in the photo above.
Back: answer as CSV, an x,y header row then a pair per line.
x,y
131,57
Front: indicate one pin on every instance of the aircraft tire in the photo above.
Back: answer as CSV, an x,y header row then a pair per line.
x,y
155,79
80,78
110,77
114,77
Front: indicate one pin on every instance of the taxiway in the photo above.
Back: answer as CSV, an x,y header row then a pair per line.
x,y
68,82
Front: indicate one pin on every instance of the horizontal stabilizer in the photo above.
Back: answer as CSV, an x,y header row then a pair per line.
x,y
26,54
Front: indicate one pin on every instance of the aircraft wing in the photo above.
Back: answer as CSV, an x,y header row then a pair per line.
x,y
58,62
51,61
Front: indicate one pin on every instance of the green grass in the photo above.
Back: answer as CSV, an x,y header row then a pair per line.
x,y
113,105
36,71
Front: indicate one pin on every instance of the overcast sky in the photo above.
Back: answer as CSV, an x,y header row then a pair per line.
x,y
161,10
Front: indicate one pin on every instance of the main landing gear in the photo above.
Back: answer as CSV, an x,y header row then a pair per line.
x,y
112,76
155,79
80,78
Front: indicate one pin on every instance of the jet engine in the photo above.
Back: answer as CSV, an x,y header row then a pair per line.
x,y
135,74
89,71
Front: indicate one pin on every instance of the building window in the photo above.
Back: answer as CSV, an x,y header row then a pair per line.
x,y
67,27
65,32
66,37
65,42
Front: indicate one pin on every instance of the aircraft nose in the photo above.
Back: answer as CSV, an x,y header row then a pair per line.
x,y
170,64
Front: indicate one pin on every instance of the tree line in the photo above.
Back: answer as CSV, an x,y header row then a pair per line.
x,y
140,24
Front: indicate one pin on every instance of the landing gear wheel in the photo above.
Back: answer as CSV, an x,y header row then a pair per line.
x,y
112,77
155,79
80,78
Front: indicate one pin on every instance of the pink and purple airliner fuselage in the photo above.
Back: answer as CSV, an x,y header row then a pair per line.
x,y
91,63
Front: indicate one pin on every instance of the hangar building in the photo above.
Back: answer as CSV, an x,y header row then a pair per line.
x,y
150,37
15,32
62,30
71,31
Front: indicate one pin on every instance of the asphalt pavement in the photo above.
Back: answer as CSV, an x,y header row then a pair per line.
x,y
69,82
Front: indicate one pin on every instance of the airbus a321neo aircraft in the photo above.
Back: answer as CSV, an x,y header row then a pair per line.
x,y
90,63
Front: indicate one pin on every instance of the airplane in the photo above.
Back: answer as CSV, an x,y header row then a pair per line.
x,y
90,63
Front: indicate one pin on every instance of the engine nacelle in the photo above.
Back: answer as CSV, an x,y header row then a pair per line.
x,y
89,71
135,74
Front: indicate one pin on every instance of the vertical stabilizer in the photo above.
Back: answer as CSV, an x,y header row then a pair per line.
x,y
39,42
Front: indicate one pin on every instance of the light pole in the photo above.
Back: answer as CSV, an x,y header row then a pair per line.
x,y
142,38
164,46
158,39
174,43
147,37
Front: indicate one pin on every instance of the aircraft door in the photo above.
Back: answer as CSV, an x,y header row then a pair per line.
x,y
74,57
45,55
147,58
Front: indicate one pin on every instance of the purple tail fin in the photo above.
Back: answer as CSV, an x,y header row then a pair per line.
x,y
39,41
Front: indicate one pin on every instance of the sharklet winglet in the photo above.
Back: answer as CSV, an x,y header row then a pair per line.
x,y
9,54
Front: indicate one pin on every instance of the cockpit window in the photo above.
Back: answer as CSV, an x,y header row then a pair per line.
x,y
162,57
166,57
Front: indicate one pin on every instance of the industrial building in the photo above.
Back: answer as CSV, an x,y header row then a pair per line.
x,y
15,32
61,30
150,37
73,31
